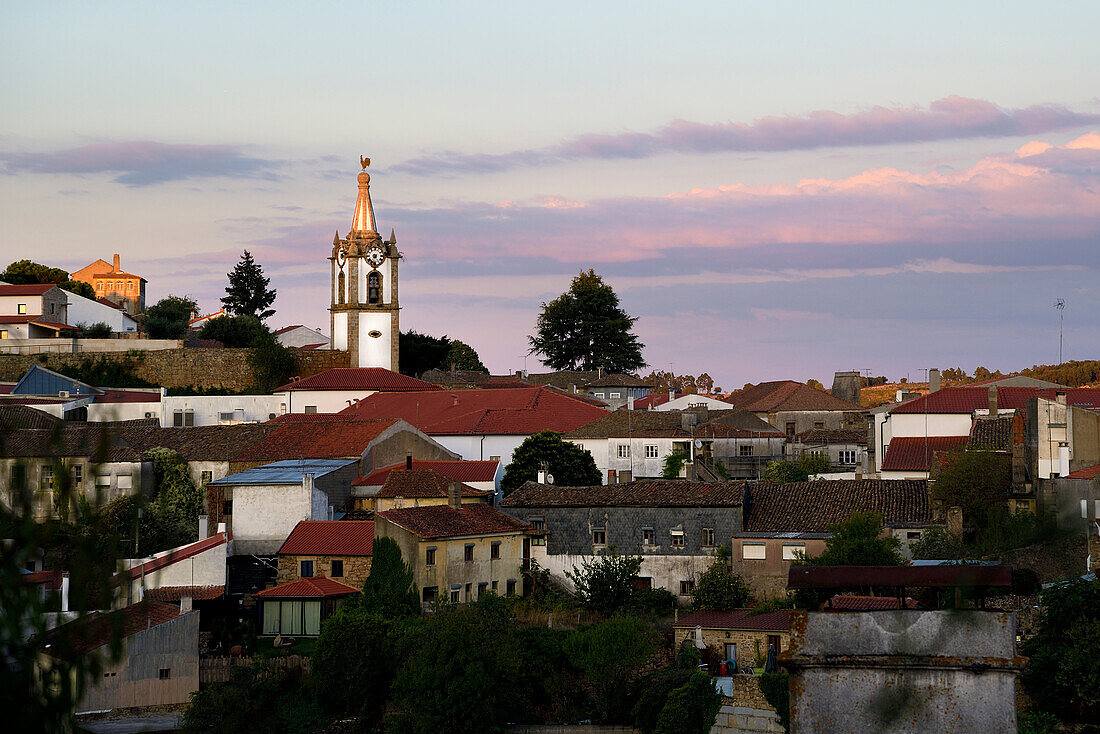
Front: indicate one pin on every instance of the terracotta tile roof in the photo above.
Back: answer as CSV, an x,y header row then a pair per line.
x,y
15,417
423,483
459,471
652,400
313,439
36,320
1089,472
27,289
811,507
307,588
739,619
639,493
969,399
285,329
88,633
850,603
360,378
832,435
173,594
104,302
444,521
128,396
916,453
198,443
768,397
115,274
508,411
992,433
669,424
330,538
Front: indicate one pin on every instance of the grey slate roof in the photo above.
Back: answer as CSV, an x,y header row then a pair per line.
x,y
639,493
284,472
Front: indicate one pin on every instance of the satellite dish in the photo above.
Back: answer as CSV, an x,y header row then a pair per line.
x,y
549,478
698,443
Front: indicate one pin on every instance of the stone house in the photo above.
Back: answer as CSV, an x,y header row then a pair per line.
x,y
412,488
112,283
334,549
676,526
845,448
736,635
32,311
793,407
459,551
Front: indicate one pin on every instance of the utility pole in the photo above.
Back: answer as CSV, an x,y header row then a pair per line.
x,y
1060,304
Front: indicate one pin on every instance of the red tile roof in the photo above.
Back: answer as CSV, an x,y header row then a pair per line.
x,y
173,594
315,437
459,471
915,453
27,289
128,396
508,411
51,580
423,483
360,378
88,633
850,603
307,588
36,320
330,538
769,397
652,400
969,399
739,619
181,553
104,302
1089,472
444,521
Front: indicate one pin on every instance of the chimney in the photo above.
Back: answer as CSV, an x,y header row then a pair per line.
x,y
65,591
933,380
117,268
454,495
846,386
688,419
408,462
204,526
185,604
630,402
992,401
1060,397
541,476
859,472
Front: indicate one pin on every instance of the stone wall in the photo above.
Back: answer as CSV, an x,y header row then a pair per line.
x,y
225,369
356,569
748,643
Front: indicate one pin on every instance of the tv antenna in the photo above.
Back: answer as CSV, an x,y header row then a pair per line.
x,y
1060,304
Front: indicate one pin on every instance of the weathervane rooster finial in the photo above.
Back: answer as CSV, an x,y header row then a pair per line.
x,y
364,162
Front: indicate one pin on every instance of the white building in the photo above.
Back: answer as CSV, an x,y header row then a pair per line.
x,y
86,311
219,410
334,390
302,337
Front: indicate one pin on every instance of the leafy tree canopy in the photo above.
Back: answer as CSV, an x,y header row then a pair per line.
x,y
719,589
796,470
584,329
390,590
168,317
24,272
975,481
419,353
463,357
354,663
858,541
98,330
570,465
611,654
233,331
272,363
663,381
248,293
691,708
606,583
674,464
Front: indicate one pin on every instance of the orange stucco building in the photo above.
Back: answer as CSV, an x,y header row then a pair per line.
x,y
112,283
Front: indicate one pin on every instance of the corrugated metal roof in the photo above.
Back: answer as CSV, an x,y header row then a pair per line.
x,y
284,472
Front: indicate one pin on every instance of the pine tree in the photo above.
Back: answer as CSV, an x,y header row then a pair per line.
x,y
247,293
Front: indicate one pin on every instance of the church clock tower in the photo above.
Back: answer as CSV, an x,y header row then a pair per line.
x,y
364,310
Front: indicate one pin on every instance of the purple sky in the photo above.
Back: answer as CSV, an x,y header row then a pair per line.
x,y
775,191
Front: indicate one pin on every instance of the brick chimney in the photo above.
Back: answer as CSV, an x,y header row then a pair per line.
x,y
117,269
454,495
933,380
992,401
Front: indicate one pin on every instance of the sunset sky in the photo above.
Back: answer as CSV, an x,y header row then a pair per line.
x,y
776,190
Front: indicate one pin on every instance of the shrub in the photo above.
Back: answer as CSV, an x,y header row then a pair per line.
x,y
691,708
354,665
650,693
606,583
776,688
610,654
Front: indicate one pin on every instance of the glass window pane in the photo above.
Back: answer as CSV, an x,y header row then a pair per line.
x,y
291,623
271,617
312,611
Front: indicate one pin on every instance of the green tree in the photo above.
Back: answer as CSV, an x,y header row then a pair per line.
x,y
938,544
674,464
691,708
354,664
248,293
24,272
464,674
570,465
1063,673
858,541
651,691
721,590
784,470
611,654
233,331
463,357
974,480
272,363
178,501
390,589
419,353
584,329
168,317
606,583
815,384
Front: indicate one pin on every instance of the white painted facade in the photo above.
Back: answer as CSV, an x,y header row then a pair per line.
x,y
264,515
690,401
916,425
86,311
301,336
219,410
321,401
100,412
375,339
340,331
664,571
482,447
205,568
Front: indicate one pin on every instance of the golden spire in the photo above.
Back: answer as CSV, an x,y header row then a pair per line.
x,y
363,221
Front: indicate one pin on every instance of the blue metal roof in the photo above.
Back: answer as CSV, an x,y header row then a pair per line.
x,y
285,472
42,381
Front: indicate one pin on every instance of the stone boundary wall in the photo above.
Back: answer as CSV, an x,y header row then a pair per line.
x,y
225,369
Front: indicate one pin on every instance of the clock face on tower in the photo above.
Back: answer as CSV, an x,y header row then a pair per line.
x,y
375,256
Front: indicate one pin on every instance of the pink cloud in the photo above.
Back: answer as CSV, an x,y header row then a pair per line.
x,y
949,118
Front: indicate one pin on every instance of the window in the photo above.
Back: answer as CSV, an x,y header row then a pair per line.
x,y
686,587
599,536
494,458
227,507
103,480
429,557
125,481
773,641
182,418
431,593
511,587
647,536
754,551
456,596
494,550
651,451
52,306
307,569
482,588
819,424
19,476
468,553
3,333
78,475
708,537
165,673
599,394
494,586
311,409
790,429
846,457
613,395
21,308
337,571
374,287
207,476
912,535
624,451
539,524
677,537
47,477
341,286
791,551
744,450
731,651
469,592
225,417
